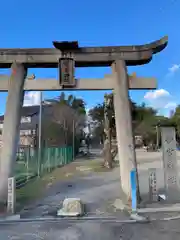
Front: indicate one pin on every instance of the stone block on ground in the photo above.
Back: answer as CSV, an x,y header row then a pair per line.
x,y
122,205
13,217
71,207
118,204
7,217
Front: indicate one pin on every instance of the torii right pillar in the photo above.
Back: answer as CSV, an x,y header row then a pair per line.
x,y
125,141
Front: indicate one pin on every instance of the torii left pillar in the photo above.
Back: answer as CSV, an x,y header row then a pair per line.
x,y
10,134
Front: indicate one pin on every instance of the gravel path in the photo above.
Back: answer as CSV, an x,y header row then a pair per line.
x,y
97,190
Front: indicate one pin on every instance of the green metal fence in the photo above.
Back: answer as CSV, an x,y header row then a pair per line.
x,y
34,163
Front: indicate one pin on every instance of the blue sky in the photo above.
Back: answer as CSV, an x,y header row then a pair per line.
x,y
117,22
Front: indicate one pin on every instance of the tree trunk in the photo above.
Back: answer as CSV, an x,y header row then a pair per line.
x,y
107,154
107,142
114,152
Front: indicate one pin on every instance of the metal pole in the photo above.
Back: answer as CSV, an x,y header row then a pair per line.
x,y
65,134
40,133
157,137
73,139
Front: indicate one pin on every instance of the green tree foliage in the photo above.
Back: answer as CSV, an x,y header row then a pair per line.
x,y
144,120
175,120
75,103
65,120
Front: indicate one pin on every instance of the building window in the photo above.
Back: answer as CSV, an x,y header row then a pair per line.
x,y
25,119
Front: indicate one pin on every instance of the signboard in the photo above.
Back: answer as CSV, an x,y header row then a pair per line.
x,y
11,195
171,177
153,194
66,72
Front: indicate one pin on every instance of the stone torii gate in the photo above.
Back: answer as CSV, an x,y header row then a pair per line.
x,y
66,56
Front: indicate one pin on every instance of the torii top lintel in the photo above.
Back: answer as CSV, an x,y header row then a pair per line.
x,y
83,56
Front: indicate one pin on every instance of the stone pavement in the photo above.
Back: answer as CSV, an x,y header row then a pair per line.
x,y
88,230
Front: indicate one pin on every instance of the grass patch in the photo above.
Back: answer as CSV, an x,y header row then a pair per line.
x,y
36,188
28,193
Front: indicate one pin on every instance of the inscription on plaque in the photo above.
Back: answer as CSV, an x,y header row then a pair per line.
x,y
170,160
169,139
153,196
11,195
66,72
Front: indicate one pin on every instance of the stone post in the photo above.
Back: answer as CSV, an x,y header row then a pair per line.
x,y
125,141
171,178
10,135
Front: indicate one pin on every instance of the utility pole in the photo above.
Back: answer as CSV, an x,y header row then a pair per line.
x,y
40,134
157,135
73,140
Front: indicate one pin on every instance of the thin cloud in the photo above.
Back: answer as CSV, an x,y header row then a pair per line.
x,y
32,98
171,105
173,69
156,94
160,99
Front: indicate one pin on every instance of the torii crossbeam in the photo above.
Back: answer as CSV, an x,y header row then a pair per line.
x,y
106,83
